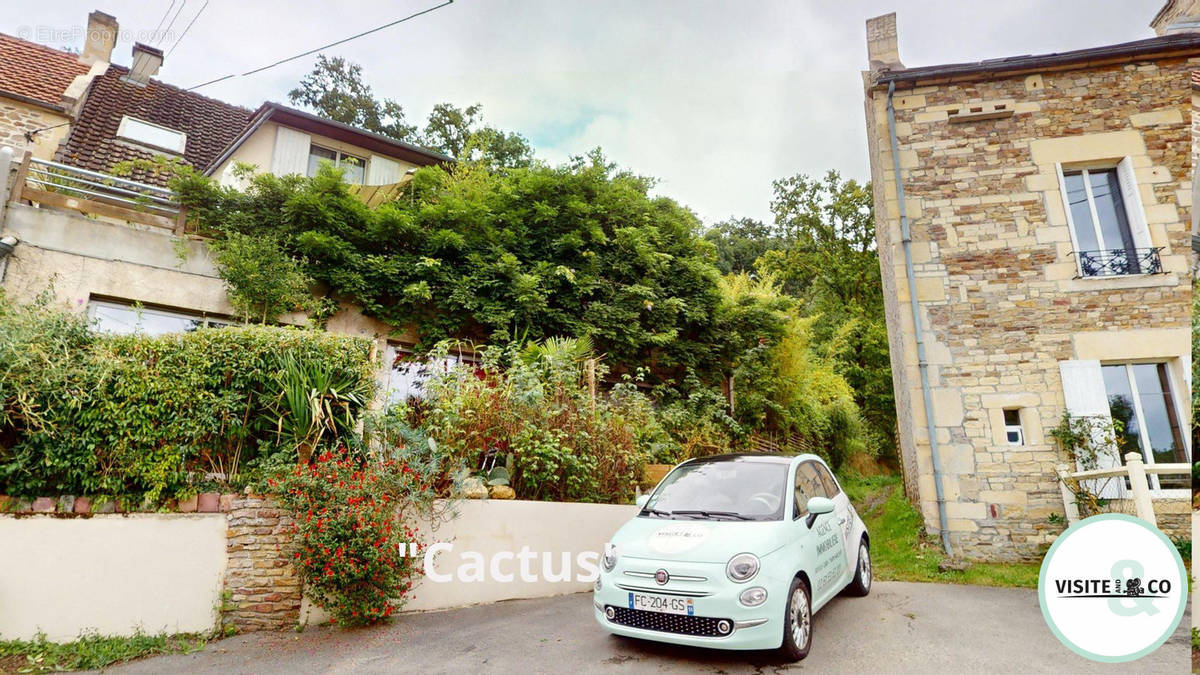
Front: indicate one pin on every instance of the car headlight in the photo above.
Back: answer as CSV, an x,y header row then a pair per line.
x,y
753,597
610,557
742,567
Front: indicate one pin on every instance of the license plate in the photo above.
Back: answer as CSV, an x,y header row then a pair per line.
x,y
664,605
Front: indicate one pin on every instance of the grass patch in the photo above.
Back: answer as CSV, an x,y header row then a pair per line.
x,y
89,652
900,549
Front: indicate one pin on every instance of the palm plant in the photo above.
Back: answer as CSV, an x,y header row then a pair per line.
x,y
315,404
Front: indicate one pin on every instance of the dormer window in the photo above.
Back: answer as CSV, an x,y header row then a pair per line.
x,y
353,167
153,135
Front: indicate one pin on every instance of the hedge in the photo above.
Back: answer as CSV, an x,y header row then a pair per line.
x,y
145,418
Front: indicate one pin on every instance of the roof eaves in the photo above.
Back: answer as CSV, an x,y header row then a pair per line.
x,y
436,156
1179,43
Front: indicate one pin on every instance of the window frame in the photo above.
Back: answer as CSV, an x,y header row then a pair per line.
x,y
799,510
393,349
1019,427
129,120
1173,387
208,320
339,156
1131,203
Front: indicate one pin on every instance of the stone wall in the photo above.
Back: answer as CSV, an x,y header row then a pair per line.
x,y
995,274
17,117
262,591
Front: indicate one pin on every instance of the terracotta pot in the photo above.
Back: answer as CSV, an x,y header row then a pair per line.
x,y
654,473
82,505
208,502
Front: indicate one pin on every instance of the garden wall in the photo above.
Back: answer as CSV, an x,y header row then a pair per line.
x,y
491,527
64,574
110,573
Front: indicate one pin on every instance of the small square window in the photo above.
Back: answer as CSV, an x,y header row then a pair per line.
x,y
1014,433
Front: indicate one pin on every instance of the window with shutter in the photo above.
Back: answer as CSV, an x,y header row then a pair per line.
x,y
1084,394
1107,221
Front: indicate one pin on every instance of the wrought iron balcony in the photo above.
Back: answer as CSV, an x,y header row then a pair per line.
x,y
1120,262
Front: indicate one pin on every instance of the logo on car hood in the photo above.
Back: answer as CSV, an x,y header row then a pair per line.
x,y
661,577
678,538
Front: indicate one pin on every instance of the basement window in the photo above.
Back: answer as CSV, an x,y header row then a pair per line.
x,y
127,319
1014,433
153,135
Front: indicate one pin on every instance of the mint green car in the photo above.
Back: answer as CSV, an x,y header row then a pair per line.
x,y
734,552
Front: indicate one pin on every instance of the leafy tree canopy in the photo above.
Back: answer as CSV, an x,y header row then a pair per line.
x,y
576,250
335,89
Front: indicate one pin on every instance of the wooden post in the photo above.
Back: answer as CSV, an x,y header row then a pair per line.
x,y
181,221
1068,495
1141,487
19,182
589,373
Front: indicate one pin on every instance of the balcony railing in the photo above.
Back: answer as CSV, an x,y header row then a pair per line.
x,y
1119,262
69,187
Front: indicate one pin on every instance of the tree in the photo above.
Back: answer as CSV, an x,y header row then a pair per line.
x,y
458,132
740,242
335,90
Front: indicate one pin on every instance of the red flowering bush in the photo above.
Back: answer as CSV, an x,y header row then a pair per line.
x,y
350,526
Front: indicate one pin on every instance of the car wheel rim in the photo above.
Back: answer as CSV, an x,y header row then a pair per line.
x,y
801,619
864,564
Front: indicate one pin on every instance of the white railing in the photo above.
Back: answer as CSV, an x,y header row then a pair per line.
x,y
1135,469
69,187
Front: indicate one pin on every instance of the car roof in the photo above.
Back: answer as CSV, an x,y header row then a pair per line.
x,y
765,457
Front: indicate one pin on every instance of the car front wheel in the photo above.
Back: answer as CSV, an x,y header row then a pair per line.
x,y
861,585
797,622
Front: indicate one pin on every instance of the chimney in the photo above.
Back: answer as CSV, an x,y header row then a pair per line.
x,y
100,39
883,52
1177,16
146,62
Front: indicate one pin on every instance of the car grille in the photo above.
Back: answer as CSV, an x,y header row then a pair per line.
x,y
666,623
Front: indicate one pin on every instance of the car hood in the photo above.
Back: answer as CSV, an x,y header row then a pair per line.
x,y
708,541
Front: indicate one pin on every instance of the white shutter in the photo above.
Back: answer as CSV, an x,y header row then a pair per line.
x,y
291,152
1133,204
382,171
1083,390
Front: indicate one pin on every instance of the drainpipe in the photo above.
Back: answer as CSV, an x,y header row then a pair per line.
x,y
923,365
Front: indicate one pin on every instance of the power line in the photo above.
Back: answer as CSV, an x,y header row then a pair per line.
x,y
164,17
189,27
167,31
323,47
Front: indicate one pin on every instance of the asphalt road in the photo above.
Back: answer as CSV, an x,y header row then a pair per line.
x,y
900,627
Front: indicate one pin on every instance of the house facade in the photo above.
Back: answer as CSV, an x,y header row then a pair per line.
x,y
1032,221
83,113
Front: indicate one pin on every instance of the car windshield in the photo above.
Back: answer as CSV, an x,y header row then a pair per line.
x,y
726,489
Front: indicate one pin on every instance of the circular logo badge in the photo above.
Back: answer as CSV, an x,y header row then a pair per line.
x,y
661,577
1112,588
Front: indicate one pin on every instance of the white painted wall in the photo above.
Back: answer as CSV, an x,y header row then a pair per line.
x,y
110,573
497,526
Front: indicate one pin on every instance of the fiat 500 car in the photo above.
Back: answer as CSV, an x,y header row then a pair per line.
x,y
734,552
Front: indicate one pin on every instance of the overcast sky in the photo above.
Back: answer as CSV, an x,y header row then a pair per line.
x,y
715,98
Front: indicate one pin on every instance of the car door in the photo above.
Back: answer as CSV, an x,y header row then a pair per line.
x,y
824,537
844,511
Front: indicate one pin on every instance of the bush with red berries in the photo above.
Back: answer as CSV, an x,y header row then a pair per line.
x,y
352,521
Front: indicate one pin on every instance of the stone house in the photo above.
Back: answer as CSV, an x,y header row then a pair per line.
x,y
1032,222
84,112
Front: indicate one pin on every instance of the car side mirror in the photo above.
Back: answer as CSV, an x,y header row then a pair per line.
x,y
641,500
816,507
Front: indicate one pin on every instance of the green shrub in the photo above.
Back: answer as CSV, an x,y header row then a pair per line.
x,y
535,407
150,418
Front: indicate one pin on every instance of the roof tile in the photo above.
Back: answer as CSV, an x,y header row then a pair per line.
x,y
35,71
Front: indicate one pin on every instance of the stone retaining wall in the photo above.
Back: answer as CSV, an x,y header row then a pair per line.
x,y
262,590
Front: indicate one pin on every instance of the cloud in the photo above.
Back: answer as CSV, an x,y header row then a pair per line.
x,y
715,98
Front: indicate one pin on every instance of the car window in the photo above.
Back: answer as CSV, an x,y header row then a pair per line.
x,y
831,487
721,489
808,485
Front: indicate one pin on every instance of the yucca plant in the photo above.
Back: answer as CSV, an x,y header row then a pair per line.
x,y
315,405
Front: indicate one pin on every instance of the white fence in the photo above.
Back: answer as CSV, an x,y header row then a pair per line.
x,y
1135,470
